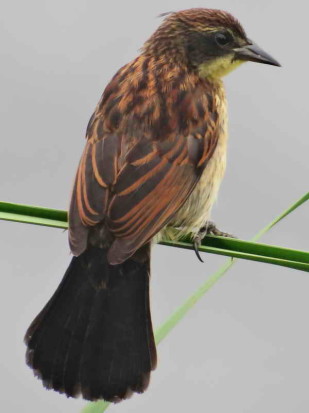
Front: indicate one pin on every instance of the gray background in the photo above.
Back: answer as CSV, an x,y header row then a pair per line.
x,y
244,347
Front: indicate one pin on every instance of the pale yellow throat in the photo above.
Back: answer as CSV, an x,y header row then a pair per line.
x,y
217,68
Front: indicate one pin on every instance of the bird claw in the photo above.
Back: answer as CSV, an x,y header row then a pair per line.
x,y
213,230
209,228
197,241
196,245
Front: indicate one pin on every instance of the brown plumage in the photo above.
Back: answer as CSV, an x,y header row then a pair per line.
x,y
154,159
148,143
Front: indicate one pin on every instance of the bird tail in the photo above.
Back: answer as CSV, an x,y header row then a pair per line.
x,y
94,337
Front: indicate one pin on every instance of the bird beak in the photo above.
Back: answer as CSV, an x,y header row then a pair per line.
x,y
253,53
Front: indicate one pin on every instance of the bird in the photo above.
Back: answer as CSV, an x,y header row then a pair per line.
x,y
154,158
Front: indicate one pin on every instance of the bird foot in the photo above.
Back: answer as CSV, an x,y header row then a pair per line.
x,y
209,229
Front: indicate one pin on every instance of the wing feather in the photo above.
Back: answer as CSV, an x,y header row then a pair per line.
x,y
145,197
96,172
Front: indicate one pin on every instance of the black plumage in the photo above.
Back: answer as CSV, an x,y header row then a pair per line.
x,y
94,336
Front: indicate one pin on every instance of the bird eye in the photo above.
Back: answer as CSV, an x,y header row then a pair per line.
x,y
223,39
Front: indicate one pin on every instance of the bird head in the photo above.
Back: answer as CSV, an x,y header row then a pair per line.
x,y
210,41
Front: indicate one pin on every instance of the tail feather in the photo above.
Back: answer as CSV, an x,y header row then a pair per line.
x,y
94,337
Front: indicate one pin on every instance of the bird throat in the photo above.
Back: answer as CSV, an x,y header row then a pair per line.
x,y
217,68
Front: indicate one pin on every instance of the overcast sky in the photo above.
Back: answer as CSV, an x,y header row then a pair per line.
x,y
244,347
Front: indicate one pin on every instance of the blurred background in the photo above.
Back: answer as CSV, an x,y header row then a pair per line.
x,y
244,347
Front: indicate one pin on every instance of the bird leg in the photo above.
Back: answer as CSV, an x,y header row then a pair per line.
x,y
208,229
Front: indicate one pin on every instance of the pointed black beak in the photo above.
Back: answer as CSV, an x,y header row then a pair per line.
x,y
253,53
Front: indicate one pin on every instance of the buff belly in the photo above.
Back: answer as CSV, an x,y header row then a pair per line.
x,y
197,209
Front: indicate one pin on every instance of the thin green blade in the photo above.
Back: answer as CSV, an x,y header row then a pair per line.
x,y
33,215
215,245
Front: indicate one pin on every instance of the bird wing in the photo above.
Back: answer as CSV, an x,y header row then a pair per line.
x,y
135,186
154,183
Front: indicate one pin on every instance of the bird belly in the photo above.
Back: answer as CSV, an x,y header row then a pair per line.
x,y
196,210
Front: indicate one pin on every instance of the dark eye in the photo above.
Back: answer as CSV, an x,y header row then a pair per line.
x,y
223,39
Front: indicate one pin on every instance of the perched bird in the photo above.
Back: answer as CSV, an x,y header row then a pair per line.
x,y
154,159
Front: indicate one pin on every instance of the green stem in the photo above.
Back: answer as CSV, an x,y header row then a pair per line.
x,y
215,245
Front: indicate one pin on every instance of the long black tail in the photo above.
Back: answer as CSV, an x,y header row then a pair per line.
x,y
94,337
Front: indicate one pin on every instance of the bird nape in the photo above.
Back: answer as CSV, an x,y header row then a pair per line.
x,y
153,161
